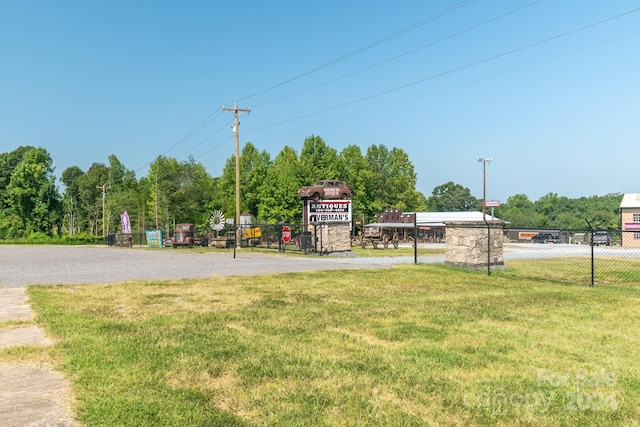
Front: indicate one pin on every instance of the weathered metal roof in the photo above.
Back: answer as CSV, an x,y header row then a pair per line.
x,y
440,218
391,224
436,219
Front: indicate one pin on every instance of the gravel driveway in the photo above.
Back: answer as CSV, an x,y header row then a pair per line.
x,y
22,265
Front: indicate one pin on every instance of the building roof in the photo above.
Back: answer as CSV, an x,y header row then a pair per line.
x,y
630,200
438,219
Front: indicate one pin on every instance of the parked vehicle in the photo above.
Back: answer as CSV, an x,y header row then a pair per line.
x,y
325,189
601,238
184,235
544,238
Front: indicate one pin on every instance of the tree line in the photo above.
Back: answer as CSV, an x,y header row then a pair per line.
x,y
183,191
551,211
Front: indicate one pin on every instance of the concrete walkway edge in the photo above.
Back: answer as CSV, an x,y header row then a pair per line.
x,y
30,396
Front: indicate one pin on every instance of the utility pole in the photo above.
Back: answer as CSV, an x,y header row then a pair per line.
x,y
484,162
104,188
237,110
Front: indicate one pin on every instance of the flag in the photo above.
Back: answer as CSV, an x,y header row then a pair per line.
x,y
126,225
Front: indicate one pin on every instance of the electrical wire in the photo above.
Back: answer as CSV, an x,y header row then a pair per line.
x,y
451,71
363,48
211,117
473,27
450,88
208,138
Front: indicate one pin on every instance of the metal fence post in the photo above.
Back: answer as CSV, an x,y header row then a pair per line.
x,y
415,238
488,248
593,266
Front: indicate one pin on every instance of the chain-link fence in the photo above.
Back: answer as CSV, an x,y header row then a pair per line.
x,y
286,237
585,257
579,257
279,237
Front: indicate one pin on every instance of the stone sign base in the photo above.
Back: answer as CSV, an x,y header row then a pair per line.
x,y
332,236
467,244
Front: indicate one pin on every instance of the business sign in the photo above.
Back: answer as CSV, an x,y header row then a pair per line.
x,y
492,203
154,238
632,226
330,211
527,235
126,225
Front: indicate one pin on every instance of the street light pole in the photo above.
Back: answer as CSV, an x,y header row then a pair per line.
x,y
484,162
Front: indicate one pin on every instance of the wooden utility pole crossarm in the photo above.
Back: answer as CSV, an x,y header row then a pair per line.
x,y
236,124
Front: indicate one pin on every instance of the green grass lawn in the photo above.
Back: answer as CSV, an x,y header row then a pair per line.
x,y
412,345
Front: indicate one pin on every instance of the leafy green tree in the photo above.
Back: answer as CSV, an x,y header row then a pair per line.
x,y
163,178
547,207
32,193
11,225
179,192
71,179
317,161
122,195
227,188
279,199
356,173
603,212
142,219
253,172
451,197
89,208
392,180
377,188
198,188
519,211
403,181
554,211
8,163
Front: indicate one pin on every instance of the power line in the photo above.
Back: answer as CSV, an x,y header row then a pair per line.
x,y
457,86
473,27
211,117
417,24
190,134
224,126
193,131
366,47
453,70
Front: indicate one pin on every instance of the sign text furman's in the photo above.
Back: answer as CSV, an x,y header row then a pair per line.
x,y
330,211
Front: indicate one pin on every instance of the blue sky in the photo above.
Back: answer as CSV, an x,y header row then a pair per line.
x,y
548,89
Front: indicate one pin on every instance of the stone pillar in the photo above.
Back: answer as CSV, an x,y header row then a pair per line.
x,y
467,244
333,236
